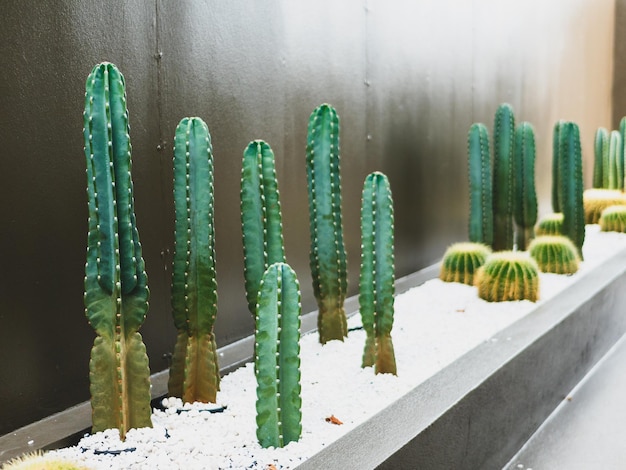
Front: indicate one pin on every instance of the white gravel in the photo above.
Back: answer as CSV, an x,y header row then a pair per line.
x,y
434,324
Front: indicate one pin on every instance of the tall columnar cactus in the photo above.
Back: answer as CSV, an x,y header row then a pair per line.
x,y
481,198
556,152
601,159
261,217
328,254
503,162
116,291
571,185
376,286
616,161
525,196
277,357
194,375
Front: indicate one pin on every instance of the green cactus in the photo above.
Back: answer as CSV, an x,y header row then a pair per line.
x,y
503,167
508,275
613,219
601,159
481,201
277,357
461,261
41,461
525,196
554,254
194,375
616,161
556,152
328,254
261,218
551,224
116,291
622,134
376,285
596,200
571,185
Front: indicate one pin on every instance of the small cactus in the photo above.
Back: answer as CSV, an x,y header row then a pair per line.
x,y
41,461
613,219
277,357
554,254
116,290
328,254
571,185
261,218
194,375
376,286
503,168
481,201
596,200
601,159
508,275
551,224
461,261
525,201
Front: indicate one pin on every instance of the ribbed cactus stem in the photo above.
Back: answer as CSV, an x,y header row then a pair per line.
x,y
554,254
328,254
622,134
261,218
116,292
556,152
551,224
601,159
277,357
613,219
503,167
194,375
525,195
376,286
571,185
616,161
481,201
508,275
461,262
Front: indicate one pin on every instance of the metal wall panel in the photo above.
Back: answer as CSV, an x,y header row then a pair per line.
x,y
407,78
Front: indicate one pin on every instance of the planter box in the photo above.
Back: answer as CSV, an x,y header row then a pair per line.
x,y
475,413
480,410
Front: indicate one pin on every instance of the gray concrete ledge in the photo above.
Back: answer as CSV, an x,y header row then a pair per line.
x,y
479,411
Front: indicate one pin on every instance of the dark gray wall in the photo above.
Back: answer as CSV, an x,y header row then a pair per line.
x,y
407,78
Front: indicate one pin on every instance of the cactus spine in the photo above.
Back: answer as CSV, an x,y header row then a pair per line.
x,y
261,218
571,185
116,291
194,375
328,254
616,161
376,286
277,357
556,152
503,147
601,159
525,195
481,199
